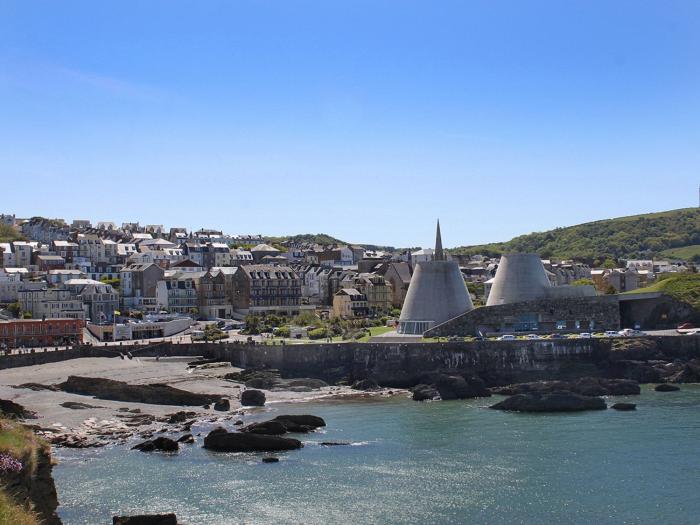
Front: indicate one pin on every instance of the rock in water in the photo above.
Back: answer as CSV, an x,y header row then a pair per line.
x,y
585,386
560,401
457,387
151,519
365,384
425,393
162,444
624,406
252,398
221,440
270,459
301,419
222,405
270,428
187,438
665,387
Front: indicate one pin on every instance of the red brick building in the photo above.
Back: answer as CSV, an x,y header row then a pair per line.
x,y
36,332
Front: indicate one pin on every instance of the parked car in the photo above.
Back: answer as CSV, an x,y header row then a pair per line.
x,y
611,333
533,337
557,336
507,337
630,332
686,326
585,335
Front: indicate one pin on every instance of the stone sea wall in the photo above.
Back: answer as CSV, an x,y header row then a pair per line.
x,y
400,364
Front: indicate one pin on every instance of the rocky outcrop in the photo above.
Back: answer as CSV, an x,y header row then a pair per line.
x,y
366,385
156,394
286,423
585,386
665,387
33,486
221,440
146,519
187,439
252,398
13,410
160,444
74,405
559,401
425,392
222,405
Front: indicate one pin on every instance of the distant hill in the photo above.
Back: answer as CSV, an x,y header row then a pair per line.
x,y
637,236
318,238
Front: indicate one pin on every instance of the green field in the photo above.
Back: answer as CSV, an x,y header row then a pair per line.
x,y
684,253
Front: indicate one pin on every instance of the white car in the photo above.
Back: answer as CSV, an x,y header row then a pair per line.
x,y
611,333
630,332
533,337
585,335
506,337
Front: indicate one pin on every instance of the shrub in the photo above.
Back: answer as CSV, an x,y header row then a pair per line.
x,y
318,333
283,331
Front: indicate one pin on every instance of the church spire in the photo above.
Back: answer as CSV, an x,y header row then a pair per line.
x,y
439,254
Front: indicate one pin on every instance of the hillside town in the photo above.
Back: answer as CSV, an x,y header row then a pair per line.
x,y
66,283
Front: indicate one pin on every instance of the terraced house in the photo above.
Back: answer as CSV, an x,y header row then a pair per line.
x,y
268,289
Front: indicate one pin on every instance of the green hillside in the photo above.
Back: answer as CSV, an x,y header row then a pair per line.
x,y
637,236
683,287
686,253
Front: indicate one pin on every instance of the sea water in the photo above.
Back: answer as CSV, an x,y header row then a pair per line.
x,y
443,462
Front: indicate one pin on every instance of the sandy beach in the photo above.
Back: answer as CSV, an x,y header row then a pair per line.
x,y
107,420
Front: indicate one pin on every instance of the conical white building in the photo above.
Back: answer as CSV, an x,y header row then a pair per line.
x,y
437,293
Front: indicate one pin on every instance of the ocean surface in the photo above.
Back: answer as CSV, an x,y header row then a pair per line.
x,y
429,463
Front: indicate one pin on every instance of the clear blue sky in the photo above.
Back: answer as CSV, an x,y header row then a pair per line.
x,y
363,119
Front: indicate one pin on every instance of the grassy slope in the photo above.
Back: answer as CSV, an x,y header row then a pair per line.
x,y
685,253
624,237
684,287
20,443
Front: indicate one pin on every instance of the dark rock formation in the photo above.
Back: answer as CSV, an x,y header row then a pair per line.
x,y
180,417
270,428
270,459
146,519
187,439
222,405
665,387
624,406
156,394
301,419
254,398
686,373
424,392
286,423
365,384
585,386
74,405
457,387
333,443
161,444
36,387
559,401
13,410
221,440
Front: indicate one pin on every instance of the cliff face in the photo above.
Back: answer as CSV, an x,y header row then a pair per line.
x,y
33,487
